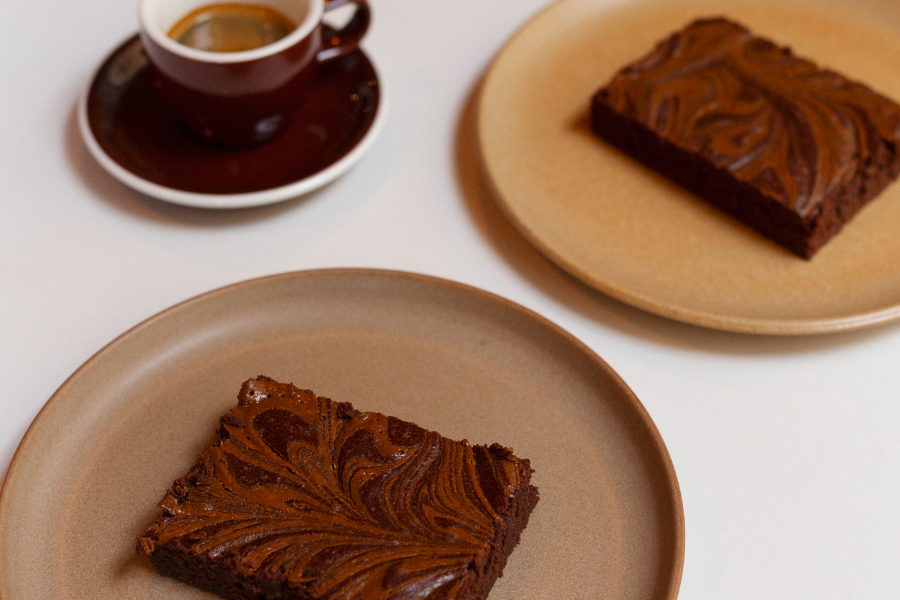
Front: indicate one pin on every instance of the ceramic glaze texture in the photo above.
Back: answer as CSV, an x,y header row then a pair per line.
x,y
236,79
235,104
312,493
776,122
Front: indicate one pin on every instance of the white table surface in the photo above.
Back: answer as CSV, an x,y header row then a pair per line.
x,y
787,449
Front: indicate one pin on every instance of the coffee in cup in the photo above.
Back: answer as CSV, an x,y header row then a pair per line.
x,y
231,27
244,97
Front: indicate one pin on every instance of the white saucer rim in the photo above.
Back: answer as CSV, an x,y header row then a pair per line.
x,y
238,200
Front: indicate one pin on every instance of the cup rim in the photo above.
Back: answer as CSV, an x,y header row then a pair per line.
x,y
150,28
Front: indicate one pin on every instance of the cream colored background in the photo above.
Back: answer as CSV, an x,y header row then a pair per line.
x,y
786,448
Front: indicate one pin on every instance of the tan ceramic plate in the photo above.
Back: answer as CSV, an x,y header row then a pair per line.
x,y
86,478
633,235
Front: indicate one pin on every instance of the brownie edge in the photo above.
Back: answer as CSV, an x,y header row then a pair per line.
x,y
789,149
300,497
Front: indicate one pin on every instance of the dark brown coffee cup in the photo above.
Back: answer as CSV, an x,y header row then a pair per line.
x,y
241,99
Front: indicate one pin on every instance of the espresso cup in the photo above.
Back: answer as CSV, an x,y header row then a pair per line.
x,y
244,98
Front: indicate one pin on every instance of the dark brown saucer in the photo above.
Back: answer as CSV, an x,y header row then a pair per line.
x,y
134,135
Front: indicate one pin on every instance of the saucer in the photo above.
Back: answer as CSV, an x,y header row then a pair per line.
x,y
133,134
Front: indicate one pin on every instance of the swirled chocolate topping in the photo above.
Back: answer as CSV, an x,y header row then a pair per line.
x,y
303,497
797,134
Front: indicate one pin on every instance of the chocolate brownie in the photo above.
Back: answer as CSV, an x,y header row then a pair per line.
x,y
792,150
300,497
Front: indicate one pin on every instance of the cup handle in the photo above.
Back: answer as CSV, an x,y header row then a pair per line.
x,y
337,42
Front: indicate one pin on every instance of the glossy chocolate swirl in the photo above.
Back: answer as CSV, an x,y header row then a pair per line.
x,y
775,121
343,504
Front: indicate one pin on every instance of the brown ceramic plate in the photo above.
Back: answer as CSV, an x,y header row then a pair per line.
x,y
633,235
86,478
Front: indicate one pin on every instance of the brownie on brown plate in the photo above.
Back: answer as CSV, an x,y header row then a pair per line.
x,y
300,497
792,150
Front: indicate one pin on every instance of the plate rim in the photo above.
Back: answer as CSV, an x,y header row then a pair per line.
x,y
238,200
670,310
648,427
